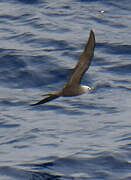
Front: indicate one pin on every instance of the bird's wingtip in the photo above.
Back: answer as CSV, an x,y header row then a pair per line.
x,y
92,33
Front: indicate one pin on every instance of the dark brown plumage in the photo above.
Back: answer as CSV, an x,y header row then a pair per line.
x,y
73,87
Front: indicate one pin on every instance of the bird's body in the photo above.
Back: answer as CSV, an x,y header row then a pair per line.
x,y
73,87
75,90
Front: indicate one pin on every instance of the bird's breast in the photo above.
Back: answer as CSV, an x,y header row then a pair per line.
x,y
75,91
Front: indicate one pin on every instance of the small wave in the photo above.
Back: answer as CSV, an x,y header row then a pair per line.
x,y
101,165
115,48
15,173
120,69
108,22
29,1
4,124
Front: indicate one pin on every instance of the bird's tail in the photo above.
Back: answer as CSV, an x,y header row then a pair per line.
x,y
50,97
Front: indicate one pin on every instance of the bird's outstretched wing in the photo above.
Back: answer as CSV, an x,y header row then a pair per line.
x,y
46,99
83,63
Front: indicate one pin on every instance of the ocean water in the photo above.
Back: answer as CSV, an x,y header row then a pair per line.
x,y
74,138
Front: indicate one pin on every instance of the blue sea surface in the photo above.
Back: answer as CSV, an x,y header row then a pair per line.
x,y
74,138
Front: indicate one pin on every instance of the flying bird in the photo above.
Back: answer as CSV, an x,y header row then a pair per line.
x,y
73,86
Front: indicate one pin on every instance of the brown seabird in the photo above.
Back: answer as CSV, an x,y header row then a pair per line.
x,y
73,87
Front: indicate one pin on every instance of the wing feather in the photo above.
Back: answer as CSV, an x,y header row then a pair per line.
x,y
83,63
46,99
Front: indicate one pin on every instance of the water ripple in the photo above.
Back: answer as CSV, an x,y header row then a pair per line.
x,y
85,137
